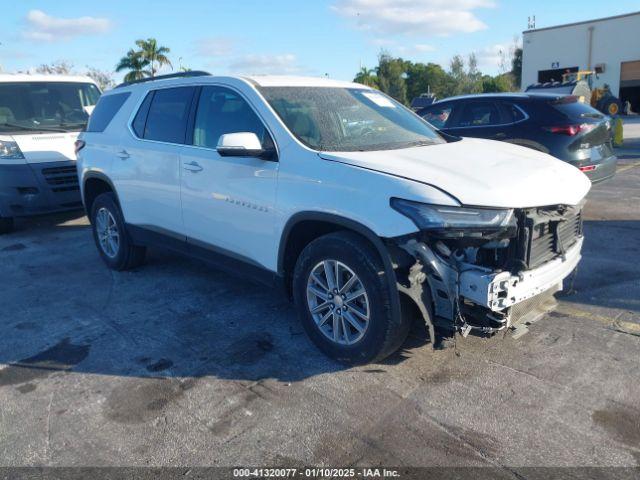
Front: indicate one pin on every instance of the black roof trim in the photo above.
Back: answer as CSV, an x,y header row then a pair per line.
x,y
503,95
193,73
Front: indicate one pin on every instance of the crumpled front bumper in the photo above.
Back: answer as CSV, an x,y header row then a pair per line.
x,y
498,291
459,296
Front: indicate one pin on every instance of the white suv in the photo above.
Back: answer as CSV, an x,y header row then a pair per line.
x,y
364,213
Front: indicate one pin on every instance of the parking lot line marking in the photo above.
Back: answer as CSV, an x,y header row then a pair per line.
x,y
624,168
619,325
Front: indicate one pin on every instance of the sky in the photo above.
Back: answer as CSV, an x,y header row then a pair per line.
x,y
302,37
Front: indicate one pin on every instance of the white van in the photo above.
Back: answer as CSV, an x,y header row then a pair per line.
x,y
40,119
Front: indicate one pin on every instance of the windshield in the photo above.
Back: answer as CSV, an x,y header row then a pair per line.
x,y
348,119
46,106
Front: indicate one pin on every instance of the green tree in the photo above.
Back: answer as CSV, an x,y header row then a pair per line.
x,y
425,78
465,77
473,75
136,64
499,83
516,67
366,76
155,55
405,80
391,77
458,75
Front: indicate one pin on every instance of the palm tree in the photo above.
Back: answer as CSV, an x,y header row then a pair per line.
x,y
136,64
155,56
367,77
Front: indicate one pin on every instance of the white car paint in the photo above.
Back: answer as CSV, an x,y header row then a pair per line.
x,y
481,172
242,205
46,147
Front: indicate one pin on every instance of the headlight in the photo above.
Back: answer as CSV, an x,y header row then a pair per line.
x,y
439,217
10,151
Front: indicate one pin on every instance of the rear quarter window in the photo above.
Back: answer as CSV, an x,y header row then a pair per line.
x,y
140,122
514,113
105,110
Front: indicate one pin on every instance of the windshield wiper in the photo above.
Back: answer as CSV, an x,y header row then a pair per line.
x,y
10,125
420,143
33,128
73,125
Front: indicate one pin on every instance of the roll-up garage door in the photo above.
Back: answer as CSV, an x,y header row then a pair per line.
x,y
630,84
630,72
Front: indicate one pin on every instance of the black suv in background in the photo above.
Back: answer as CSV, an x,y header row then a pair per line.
x,y
559,125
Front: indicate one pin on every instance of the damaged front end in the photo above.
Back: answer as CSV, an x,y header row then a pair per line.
x,y
485,269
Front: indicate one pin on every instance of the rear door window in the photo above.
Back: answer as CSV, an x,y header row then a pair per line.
x,y
105,110
438,115
479,114
168,115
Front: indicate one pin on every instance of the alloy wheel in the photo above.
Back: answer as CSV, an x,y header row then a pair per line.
x,y
338,302
108,233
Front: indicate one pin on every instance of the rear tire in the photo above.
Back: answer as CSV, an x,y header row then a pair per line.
x,y
346,336
6,225
110,235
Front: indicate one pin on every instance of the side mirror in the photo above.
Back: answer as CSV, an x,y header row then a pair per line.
x,y
242,144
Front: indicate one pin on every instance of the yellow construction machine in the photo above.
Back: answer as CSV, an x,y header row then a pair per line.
x,y
580,84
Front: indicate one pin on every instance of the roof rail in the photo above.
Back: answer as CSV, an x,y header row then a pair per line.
x,y
191,73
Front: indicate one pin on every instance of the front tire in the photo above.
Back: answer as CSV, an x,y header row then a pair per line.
x,y
6,225
111,237
342,296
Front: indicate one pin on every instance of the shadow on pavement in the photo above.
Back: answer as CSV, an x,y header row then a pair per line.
x,y
179,318
609,273
60,219
172,318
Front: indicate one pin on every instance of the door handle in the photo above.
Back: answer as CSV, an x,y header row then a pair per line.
x,y
193,167
500,135
123,155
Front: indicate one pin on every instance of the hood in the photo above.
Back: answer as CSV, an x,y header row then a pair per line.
x,y
47,147
480,172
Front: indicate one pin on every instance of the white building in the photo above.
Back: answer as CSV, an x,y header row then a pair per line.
x,y
611,45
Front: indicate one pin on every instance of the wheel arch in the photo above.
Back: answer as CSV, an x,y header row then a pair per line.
x,y
304,227
94,184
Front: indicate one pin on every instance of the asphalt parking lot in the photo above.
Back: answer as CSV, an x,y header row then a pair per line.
x,y
178,364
